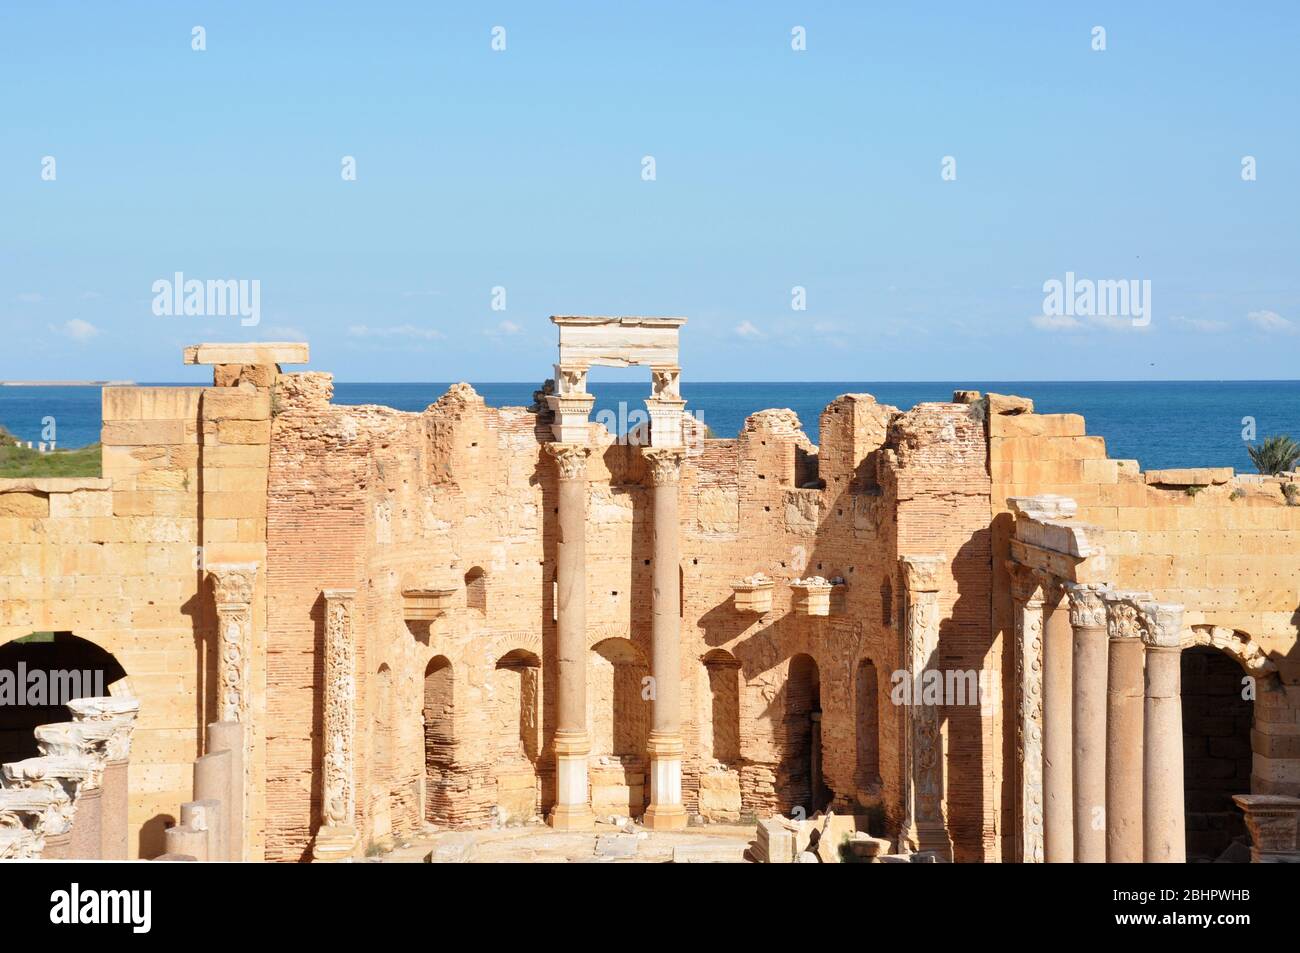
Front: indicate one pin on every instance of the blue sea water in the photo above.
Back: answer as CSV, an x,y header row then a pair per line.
x,y
1158,423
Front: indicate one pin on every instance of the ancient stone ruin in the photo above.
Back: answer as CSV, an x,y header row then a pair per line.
x,y
957,632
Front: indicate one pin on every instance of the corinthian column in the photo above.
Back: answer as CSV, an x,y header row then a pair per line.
x,y
337,836
116,715
1088,622
572,810
1164,836
665,745
1058,743
925,827
1124,728
1027,596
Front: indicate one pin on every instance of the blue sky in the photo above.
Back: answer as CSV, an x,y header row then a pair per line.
x,y
522,169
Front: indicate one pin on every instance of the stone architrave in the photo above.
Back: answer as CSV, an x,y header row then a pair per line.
x,y
1088,625
233,590
665,747
1163,814
925,826
572,810
337,836
1027,596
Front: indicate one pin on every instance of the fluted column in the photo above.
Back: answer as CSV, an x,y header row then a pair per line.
x,y
1058,744
665,748
337,836
1124,729
1164,836
925,826
1088,622
1027,597
572,810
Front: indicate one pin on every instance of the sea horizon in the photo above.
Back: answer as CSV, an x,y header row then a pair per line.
x,y
1160,423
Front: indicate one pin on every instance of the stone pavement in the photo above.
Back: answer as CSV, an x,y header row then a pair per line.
x,y
537,843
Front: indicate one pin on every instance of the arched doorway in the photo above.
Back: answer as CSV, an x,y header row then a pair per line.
x,y
867,725
618,713
1218,713
39,674
799,774
439,741
719,797
517,738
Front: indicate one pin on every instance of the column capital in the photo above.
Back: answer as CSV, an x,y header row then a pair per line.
x,y
1087,610
921,573
1124,619
1164,625
116,711
233,582
1026,585
570,458
665,464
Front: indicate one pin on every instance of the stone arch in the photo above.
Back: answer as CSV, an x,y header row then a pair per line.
x,y
1236,644
866,693
476,589
798,777
439,740
39,674
517,733
720,730
618,715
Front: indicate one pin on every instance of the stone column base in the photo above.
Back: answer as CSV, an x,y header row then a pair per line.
x,y
927,838
335,844
665,812
572,810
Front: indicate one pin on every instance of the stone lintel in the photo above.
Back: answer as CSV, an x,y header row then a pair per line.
x,y
1050,562
1043,506
251,352
618,341
1080,540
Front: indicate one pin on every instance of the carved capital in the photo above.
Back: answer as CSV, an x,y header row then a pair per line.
x,y
571,379
1124,618
922,573
1087,610
117,713
1026,585
570,458
665,382
1164,625
665,464
232,583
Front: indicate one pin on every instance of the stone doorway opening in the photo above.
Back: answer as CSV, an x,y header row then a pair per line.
x,y
799,774
39,674
439,742
517,738
1217,721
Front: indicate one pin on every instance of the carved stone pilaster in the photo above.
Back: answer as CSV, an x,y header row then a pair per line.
x,y
665,464
233,590
1028,604
338,800
570,459
925,827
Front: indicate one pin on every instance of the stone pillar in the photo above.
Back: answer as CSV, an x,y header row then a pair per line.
x,y
233,587
1088,623
665,748
1164,833
1124,729
1273,820
1027,595
925,827
226,780
337,838
572,810
117,714
1058,743
214,787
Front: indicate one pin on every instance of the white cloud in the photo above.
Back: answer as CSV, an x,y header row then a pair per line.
x,y
1270,322
1199,325
504,329
400,331
1056,322
281,332
77,329
30,297
746,329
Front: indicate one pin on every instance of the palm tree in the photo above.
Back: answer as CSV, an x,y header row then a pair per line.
x,y
1275,454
